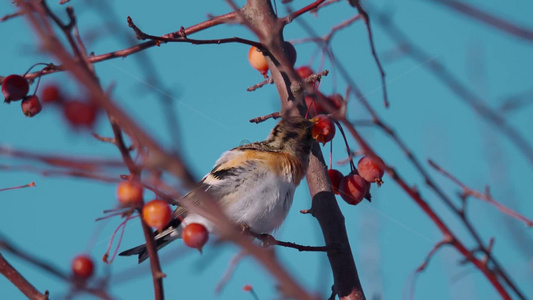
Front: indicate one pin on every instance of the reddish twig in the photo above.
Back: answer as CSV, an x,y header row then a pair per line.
x,y
301,11
431,253
424,264
97,291
86,164
214,21
65,173
155,266
31,184
20,282
481,196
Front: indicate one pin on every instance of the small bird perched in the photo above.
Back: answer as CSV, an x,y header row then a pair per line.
x,y
254,184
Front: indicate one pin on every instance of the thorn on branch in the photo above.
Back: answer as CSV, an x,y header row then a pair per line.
x,y
268,240
182,32
274,115
269,80
10,16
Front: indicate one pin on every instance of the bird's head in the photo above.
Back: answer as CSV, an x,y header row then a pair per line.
x,y
292,134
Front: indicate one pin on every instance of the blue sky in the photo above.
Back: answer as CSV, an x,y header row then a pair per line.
x,y
390,237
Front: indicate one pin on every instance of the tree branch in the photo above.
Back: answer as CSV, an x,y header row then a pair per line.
x,y
20,282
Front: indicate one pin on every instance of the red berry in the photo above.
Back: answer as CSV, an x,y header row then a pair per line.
x,y
304,72
257,60
291,52
157,213
14,87
50,94
31,105
335,177
353,189
79,113
195,235
130,193
370,168
324,129
82,266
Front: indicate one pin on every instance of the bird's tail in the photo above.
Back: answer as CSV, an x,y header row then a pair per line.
x,y
161,240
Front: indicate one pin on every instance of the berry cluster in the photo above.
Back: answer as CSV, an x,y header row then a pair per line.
x,y
15,88
354,187
77,113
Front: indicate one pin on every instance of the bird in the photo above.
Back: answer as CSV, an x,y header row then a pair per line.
x,y
254,184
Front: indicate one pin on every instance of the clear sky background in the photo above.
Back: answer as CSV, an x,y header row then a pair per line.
x,y
206,85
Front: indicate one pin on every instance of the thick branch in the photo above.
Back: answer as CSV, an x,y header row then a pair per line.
x,y
290,86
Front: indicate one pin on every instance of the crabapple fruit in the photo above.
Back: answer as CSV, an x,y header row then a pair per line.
x,y
31,105
14,87
353,189
195,235
157,213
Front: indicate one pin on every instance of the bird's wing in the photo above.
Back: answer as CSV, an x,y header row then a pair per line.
x,y
231,169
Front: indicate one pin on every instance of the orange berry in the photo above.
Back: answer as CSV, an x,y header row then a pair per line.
x,y
130,193
157,213
257,60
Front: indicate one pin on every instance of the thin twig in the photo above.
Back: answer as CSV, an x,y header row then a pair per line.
x,y
274,115
269,240
481,196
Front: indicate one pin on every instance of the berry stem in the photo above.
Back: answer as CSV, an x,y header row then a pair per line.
x,y
330,155
35,65
350,156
